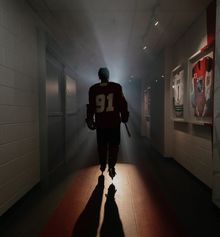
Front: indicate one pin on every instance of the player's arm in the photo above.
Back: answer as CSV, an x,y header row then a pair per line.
x,y
123,107
90,111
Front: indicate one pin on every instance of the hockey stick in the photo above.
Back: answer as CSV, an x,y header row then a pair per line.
x,y
128,132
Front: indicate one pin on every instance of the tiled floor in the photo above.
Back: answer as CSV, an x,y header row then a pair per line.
x,y
154,197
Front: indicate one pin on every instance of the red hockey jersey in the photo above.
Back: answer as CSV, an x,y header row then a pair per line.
x,y
202,87
107,103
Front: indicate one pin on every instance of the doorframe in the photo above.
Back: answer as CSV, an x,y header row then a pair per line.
x,y
46,47
56,61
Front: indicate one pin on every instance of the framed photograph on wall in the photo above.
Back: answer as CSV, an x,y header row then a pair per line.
x,y
201,72
178,89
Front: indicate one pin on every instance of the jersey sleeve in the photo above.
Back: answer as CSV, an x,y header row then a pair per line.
x,y
91,106
123,106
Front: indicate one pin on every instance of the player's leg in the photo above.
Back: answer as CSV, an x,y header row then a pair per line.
x,y
114,141
113,156
102,148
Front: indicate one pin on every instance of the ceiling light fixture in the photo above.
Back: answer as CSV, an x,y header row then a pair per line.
x,y
156,23
145,47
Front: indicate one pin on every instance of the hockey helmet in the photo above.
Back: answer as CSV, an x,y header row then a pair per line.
x,y
103,73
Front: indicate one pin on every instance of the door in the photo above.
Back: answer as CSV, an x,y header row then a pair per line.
x,y
55,111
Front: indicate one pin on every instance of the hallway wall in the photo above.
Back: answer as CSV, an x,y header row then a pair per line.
x,y
131,91
154,84
19,145
216,145
157,105
190,144
22,73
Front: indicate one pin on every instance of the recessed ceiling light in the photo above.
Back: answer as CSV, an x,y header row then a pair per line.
x,y
156,23
145,47
162,76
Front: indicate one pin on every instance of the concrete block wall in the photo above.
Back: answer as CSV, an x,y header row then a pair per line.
x,y
19,145
190,145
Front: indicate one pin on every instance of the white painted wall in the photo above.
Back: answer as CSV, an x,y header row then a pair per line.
x,y
157,107
188,144
168,127
216,146
19,145
154,129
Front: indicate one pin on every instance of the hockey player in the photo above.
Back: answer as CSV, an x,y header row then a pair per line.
x,y
107,108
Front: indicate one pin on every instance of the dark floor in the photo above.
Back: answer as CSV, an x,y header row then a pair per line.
x,y
179,204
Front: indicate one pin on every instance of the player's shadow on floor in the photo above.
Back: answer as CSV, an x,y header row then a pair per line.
x,y
88,222
112,225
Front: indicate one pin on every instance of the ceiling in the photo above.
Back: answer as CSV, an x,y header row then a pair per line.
x,y
95,33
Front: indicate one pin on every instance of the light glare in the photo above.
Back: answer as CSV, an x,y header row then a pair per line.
x,y
156,23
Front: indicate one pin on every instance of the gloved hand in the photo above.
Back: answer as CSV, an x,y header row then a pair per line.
x,y
124,117
91,124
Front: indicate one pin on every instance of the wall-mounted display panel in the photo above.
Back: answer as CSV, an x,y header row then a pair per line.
x,y
201,66
178,93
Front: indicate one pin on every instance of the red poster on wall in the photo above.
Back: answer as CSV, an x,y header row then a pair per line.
x,y
201,97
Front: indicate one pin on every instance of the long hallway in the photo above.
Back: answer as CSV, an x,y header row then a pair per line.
x,y
150,196
67,66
